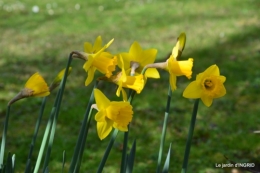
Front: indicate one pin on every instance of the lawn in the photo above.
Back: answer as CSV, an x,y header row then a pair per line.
x,y
219,32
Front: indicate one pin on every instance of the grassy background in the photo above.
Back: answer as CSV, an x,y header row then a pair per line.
x,y
218,31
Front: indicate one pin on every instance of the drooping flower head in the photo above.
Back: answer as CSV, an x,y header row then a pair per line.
x,y
56,82
111,114
178,68
208,85
140,58
99,60
34,87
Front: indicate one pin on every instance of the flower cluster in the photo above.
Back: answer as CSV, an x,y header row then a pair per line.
x,y
135,67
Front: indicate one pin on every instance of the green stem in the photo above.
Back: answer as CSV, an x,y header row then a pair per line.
x,y
4,137
123,160
56,115
44,140
124,151
55,111
36,129
82,147
110,144
166,115
82,136
189,139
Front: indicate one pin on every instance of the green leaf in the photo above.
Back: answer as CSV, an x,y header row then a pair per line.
x,y
9,164
63,160
167,161
131,158
110,145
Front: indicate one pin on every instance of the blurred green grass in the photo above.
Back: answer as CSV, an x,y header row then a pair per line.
x,y
218,31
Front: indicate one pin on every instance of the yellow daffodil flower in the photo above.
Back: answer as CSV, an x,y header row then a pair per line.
x,y
208,85
56,82
142,58
34,87
99,60
178,68
111,114
123,81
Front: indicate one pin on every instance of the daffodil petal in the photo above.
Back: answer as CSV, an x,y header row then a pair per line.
x,y
88,47
97,45
175,51
119,89
91,72
31,81
121,128
221,92
88,63
37,84
103,48
193,90
135,50
152,73
124,95
126,60
100,116
103,129
212,70
173,82
101,100
206,100
150,55
123,76
222,78
182,41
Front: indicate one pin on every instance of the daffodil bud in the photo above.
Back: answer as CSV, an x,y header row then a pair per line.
x,y
56,82
34,87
